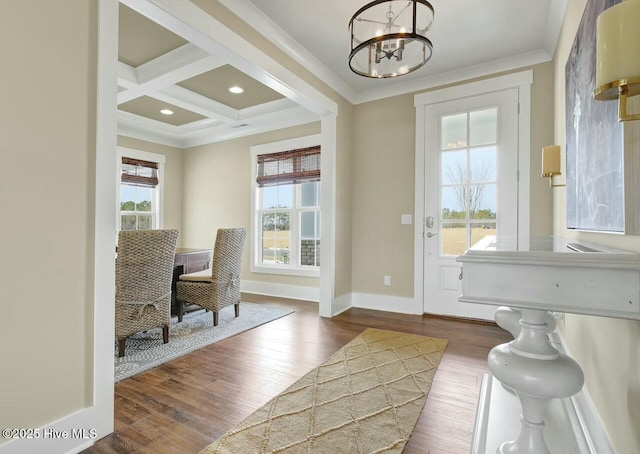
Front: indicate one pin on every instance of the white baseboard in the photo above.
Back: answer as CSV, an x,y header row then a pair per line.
x,y
70,434
297,292
587,418
387,303
573,423
341,304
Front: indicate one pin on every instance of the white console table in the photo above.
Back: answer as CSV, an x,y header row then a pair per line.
x,y
552,274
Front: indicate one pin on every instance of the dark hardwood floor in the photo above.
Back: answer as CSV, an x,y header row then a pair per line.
x,y
184,405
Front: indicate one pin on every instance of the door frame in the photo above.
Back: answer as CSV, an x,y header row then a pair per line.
x,y
183,14
520,80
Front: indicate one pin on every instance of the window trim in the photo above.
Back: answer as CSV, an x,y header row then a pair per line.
x,y
255,151
160,159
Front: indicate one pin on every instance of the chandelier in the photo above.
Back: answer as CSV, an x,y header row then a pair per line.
x,y
389,37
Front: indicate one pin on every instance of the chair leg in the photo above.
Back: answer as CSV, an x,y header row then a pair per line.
x,y
165,334
237,309
180,310
121,347
215,318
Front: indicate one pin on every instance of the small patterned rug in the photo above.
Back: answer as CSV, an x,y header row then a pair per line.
x,y
366,398
146,350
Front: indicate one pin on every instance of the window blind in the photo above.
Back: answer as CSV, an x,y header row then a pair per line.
x,y
140,173
289,167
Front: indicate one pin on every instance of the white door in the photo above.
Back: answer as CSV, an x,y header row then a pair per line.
x,y
471,190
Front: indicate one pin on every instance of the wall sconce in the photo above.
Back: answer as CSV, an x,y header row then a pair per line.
x,y
618,56
551,163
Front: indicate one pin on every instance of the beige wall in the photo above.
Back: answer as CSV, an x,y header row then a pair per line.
x,y
47,163
217,188
383,189
172,180
607,349
344,199
383,184
343,142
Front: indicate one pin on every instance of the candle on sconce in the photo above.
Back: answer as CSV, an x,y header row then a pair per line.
x,y
551,160
618,43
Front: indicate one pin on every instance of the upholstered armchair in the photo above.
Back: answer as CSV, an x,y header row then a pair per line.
x,y
219,286
144,270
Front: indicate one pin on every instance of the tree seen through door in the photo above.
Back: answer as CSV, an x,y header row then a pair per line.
x,y
468,157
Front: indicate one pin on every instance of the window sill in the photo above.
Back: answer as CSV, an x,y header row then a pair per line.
x,y
285,271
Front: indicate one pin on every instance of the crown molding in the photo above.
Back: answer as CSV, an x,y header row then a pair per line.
x,y
458,75
269,29
257,20
272,121
557,12
143,128
260,119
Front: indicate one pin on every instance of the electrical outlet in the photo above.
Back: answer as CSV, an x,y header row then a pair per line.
x,y
387,281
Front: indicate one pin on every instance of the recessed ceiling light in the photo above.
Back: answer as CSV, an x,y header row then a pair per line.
x,y
236,90
166,112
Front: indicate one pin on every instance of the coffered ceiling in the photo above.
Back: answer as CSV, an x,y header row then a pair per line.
x,y
160,70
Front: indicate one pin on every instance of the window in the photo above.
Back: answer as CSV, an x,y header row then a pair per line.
x,y
139,198
286,209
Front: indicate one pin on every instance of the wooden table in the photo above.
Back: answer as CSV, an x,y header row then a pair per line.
x,y
187,261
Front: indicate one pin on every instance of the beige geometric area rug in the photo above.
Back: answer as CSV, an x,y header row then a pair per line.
x,y
366,398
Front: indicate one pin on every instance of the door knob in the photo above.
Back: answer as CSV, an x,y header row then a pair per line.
x,y
430,235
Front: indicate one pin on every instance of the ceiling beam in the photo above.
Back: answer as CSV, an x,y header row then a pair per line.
x,y
185,19
175,66
187,99
286,118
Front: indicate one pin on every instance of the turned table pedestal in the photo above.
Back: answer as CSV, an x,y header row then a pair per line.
x,y
552,275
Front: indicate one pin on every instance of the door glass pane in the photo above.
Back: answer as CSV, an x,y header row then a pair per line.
x,y
453,238
481,229
483,126
483,164
482,201
454,167
454,131
468,176
453,202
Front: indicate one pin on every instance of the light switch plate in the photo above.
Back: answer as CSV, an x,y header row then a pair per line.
x,y
405,219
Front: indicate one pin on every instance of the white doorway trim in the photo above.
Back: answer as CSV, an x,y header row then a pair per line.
x,y
184,16
185,19
105,221
520,80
